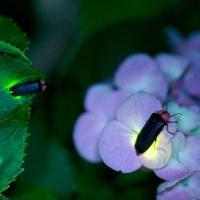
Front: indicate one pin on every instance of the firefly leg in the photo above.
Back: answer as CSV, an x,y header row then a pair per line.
x,y
169,131
172,122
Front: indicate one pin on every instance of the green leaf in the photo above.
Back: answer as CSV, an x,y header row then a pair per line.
x,y
11,33
13,70
98,14
14,112
7,48
13,134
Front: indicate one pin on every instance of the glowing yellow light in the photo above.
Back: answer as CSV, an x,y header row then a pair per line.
x,y
158,154
134,136
152,152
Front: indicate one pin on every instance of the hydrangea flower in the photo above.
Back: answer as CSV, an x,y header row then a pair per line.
x,y
168,156
102,100
116,112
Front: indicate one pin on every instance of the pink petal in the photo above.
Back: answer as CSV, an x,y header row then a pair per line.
x,y
172,66
116,148
86,135
139,73
136,110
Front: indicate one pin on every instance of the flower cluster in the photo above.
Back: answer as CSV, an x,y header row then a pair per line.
x,y
117,111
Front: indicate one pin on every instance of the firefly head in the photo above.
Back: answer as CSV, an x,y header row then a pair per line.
x,y
164,114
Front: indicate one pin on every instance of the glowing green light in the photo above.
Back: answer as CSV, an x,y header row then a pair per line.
x,y
17,97
9,85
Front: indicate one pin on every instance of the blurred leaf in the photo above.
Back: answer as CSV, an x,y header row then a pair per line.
x,y
14,112
48,165
11,33
58,170
36,193
2,197
98,14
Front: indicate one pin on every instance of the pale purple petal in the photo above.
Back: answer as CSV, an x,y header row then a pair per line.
x,y
188,120
176,193
183,45
175,169
194,185
191,80
190,157
172,66
112,103
140,73
136,110
179,142
86,134
167,185
192,42
116,147
189,186
104,100
96,96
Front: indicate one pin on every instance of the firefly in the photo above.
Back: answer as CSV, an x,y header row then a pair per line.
x,y
28,88
151,130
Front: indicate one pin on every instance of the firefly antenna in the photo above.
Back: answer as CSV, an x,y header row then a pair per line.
x,y
175,114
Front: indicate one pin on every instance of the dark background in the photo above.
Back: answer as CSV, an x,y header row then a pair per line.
x,y
77,43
